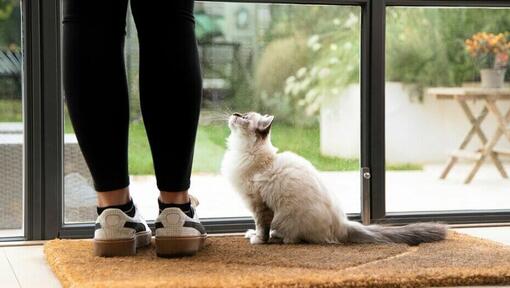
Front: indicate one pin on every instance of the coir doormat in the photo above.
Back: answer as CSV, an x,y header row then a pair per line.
x,y
233,262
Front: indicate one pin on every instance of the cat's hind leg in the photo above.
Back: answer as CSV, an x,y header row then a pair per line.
x,y
290,240
275,237
284,227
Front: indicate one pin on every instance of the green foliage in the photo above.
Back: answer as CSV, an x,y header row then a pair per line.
x,y
313,52
334,65
6,8
426,46
10,24
10,39
280,59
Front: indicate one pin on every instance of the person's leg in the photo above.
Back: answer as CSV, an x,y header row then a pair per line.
x,y
96,91
170,95
170,90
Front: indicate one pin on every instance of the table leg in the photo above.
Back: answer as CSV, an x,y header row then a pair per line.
x,y
488,147
475,129
503,121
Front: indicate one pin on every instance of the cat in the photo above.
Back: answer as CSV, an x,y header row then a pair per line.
x,y
288,199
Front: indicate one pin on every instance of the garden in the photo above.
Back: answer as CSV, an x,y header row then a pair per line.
x,y
289,60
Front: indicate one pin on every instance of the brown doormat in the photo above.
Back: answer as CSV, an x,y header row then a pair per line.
x,y
233,262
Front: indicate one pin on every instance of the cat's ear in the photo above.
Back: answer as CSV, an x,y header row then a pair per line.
x,y
264,125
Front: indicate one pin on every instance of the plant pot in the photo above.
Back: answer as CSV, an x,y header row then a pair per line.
x,y
492,78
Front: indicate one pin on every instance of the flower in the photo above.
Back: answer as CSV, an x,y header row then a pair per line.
x,y
502,59
488,49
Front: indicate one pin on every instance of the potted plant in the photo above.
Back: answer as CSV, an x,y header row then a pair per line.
x,y
490,51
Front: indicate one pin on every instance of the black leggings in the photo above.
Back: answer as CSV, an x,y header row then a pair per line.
x,y
96,87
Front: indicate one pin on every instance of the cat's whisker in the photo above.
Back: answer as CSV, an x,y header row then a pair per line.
x,y
227,110
214,117
221,115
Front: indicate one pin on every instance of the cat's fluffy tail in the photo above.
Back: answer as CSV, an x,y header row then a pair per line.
x,y
412,234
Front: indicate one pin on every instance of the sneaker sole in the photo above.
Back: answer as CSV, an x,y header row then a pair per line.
x,y
168,247
121,247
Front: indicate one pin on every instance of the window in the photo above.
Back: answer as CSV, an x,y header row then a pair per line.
x,y
272,58
367,90
427,168
11,121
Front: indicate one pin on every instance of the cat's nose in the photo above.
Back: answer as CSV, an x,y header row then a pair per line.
x,y
237,114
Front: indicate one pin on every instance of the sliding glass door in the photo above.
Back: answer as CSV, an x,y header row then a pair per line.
x,y
298,62
402,105
443,148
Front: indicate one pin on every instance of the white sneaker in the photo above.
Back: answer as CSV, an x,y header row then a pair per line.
x,y
177,234
117,234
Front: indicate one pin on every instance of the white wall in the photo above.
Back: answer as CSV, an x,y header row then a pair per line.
x,y
340,124
416,131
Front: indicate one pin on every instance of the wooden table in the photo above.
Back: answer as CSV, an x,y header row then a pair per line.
x,y
490,98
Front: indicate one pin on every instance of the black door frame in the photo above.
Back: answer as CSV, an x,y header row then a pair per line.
x,y
43,109
378,205
42,118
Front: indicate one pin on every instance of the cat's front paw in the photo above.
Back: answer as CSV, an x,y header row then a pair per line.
x,y
250,233
255,240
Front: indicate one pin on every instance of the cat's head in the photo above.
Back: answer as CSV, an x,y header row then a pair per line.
x,y
250,127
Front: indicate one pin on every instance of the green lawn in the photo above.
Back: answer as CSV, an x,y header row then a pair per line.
x,y
210,145
10,110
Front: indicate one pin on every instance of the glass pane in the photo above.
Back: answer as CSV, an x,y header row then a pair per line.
x,y
11,121
440,62
298,62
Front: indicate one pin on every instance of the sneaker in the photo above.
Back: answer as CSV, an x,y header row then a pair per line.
x,y
177,234
117,234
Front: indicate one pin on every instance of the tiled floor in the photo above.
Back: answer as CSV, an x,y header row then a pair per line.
x,y
24,266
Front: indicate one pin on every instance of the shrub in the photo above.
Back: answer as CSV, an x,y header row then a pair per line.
x,y
280,59
313,52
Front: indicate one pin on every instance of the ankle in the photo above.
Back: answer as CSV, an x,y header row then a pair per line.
x,y
185,207
113,197
180,197
128,208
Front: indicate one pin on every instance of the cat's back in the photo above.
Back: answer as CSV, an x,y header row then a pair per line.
x,y
292,161
290,169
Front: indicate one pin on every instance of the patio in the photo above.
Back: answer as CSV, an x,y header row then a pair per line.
x,y
406,191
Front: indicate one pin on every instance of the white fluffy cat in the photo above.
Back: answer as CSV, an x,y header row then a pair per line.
x,y
288,199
